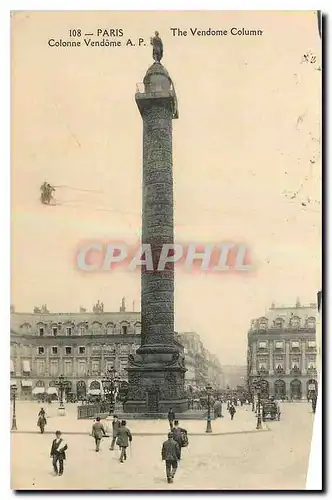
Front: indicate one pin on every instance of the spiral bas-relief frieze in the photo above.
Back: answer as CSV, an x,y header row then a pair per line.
x,y
154,360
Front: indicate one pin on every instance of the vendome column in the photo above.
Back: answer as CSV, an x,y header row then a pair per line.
x,y
156,372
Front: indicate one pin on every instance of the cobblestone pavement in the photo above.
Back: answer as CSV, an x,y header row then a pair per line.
x,y
277,459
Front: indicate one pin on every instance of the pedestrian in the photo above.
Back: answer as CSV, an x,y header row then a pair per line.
x,y
124,437
115,427
58,453
41,422
98,432
180,435
232,411
171,453
171,417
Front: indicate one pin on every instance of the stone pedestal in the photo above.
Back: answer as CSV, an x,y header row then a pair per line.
x,y
156,372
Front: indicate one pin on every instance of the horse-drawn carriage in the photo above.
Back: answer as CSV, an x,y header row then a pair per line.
x,y
270,410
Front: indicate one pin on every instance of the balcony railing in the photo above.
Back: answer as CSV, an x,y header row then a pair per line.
x,y
141,89
312,371
263,371
295,371
279,371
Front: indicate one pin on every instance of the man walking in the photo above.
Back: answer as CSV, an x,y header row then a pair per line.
x,y
180,436
170,452
124,437
232,411
58,453
171,417
98,432
115,427
41,422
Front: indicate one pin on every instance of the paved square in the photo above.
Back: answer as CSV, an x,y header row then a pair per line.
x,y
274,459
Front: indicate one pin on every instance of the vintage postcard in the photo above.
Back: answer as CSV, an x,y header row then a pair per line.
x,y
166,249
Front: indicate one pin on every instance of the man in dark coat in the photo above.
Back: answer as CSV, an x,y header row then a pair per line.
x,y
232,411
171,417
124,437
58,453
41,422
170,452
98,432
115,427
179,434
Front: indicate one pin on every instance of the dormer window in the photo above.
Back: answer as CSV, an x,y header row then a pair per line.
x,y
311,323
69,331
294,322
263,322
54,331
110,329
41,331
279,323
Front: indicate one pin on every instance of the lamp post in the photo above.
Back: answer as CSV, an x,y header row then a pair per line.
x,y
13,390
259,414
110,384
208,420
61,383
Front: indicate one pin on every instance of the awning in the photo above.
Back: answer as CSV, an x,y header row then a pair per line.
x,y
94,392
12,369
52,390
26,383
26,366
38,390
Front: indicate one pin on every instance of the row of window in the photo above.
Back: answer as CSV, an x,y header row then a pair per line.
x,y
280,344
280,323
82,350
311,365
67,368
83,329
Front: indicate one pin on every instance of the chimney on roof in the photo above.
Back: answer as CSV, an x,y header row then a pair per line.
x,y
273,305
298,303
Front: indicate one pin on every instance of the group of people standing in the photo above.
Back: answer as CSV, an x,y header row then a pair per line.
x,y
121,435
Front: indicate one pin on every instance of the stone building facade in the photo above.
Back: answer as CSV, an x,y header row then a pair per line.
x,y
282,351
82,346
203,368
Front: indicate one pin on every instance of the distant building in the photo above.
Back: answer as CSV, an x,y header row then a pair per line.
x,y
203,368
282,351
234,375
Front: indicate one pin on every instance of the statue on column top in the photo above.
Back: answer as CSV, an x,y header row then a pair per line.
x,y
157,44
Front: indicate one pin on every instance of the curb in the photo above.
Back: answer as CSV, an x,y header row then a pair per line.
x,y
77,433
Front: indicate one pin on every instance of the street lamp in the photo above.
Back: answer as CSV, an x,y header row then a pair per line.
x,y
110,384
62,384
259,414
208,420
252,392
13,390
